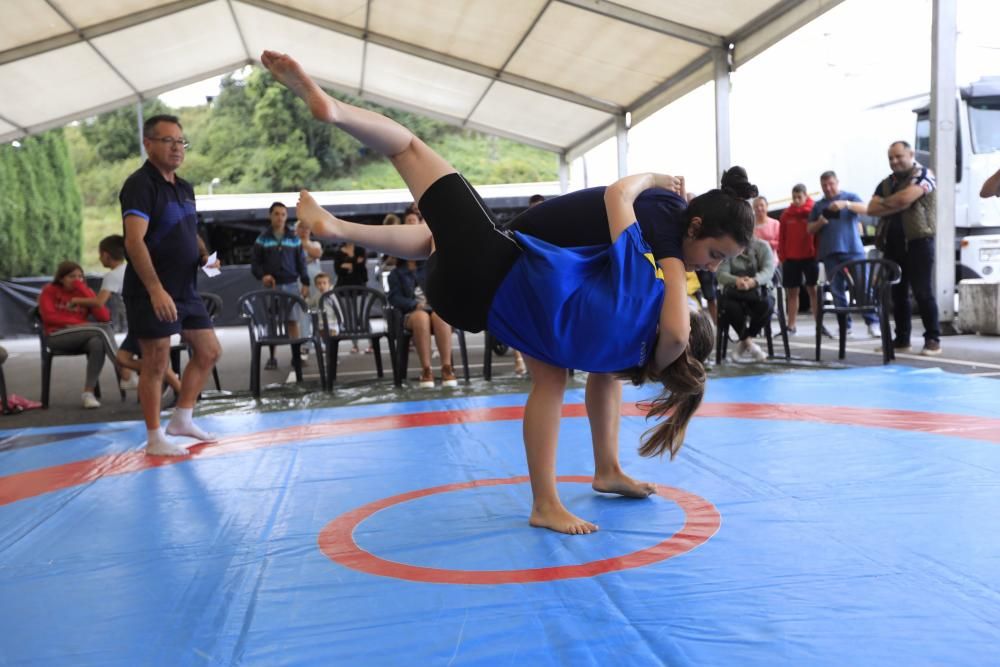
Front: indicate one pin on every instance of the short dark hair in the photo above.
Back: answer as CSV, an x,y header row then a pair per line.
x,y
800,188
114,245
828,174
152,121
320,275
900,142
535,199
276,205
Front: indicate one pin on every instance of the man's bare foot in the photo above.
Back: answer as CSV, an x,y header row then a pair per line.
x,y
558,518
623,485
323,223
287,71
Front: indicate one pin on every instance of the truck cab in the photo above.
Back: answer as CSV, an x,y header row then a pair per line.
x,y
977,154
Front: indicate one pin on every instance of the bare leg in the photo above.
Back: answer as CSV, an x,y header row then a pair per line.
x,y
420,324
416,163
811,291
406,241
205,353
442,336
604,406
791,305
155,361
541,438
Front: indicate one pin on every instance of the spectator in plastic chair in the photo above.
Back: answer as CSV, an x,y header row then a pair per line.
x,y
905,203
991,186
741,279
407,285
279,262
797,254
75,328
765,227
111,254
834,223
164,252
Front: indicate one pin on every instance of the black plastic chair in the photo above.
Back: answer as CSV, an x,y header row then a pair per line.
x,y
722,330
357,310
47,353
267,313
213,304
4,405
491,346
868,285
399,345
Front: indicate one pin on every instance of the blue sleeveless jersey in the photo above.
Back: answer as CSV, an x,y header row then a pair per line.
x,y
592,308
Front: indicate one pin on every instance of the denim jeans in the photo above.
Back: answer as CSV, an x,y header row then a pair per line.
x,y
838,282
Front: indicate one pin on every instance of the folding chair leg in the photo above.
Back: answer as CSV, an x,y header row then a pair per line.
x,y
488,356
377,351
465,354
46,377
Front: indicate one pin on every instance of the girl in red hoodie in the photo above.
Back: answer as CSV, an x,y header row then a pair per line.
x,y
797,254
69,328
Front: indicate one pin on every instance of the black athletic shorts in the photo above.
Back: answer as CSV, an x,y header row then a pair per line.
x,y
471,255
143,323
796,271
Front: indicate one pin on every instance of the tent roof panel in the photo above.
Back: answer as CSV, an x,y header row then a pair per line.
x,y
49,85
427,84
469,29
536,116
580,50
179,51
326,55
558,71
86,14
348,12
719,17
29,21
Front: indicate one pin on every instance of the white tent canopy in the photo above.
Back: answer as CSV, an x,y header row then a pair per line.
x,y
558,74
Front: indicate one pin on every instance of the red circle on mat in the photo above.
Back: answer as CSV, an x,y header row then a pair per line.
x,y
336,540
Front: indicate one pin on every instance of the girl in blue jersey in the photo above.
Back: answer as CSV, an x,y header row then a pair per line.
x,y
579,282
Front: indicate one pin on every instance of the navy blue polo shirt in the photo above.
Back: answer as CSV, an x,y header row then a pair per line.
x,y
172,235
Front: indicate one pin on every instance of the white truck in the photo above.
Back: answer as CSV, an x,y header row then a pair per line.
x,y
977,220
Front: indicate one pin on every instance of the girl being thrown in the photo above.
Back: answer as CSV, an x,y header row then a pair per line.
x,y
593,280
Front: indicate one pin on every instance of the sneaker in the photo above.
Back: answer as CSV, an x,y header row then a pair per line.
x,y
89,400
932,348
897,346
741,349
448,378
791,331
874,331
757,354
131,383
272,364
427,379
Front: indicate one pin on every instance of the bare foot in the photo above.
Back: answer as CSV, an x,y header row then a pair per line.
x,y
558,518
623,485
287,71
323,223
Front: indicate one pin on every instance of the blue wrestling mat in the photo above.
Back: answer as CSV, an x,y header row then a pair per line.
x,y
813,518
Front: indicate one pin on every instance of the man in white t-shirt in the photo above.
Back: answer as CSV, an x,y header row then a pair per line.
x,y
111,253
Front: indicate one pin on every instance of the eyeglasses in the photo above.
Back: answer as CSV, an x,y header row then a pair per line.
x,y
170,141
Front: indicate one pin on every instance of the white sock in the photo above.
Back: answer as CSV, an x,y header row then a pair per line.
x,y
157,444
181,423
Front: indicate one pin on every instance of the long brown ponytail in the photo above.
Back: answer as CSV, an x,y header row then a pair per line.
x,y
683,389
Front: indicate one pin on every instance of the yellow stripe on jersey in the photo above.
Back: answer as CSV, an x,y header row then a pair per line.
x,y
659,271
